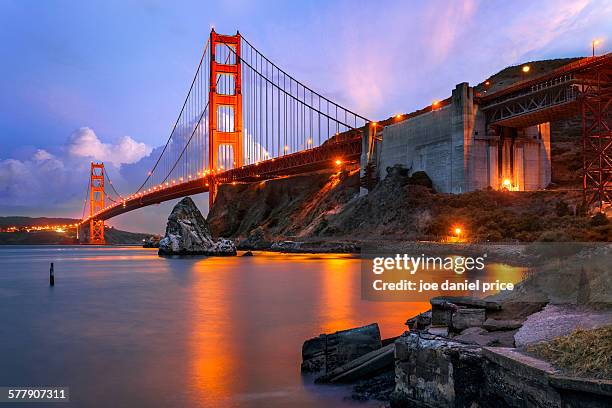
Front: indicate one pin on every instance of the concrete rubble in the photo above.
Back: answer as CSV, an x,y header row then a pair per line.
x,y
461,353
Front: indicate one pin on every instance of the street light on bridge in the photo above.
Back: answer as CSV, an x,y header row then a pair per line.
x,y
594,43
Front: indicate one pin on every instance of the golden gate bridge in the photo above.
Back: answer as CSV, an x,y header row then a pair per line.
x,y
245,119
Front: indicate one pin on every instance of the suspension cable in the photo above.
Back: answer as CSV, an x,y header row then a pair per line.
x,y
85,200
150,173
304,87
112,185
195,128
300,83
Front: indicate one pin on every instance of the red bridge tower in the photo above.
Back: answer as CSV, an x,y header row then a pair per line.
x,y
225,113
96,203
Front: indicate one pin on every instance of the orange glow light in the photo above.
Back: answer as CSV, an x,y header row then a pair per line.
x,y
435,104
338,162
526,68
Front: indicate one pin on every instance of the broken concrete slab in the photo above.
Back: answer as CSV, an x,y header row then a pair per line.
x,y
484,338
495,325
441,331
363,367
464,318
330,351
466,302
559,320
515,378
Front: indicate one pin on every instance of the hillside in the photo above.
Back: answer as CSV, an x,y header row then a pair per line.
x,y
112,235
19,221
326,206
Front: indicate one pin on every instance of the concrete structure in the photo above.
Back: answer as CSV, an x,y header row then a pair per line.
x,y
453,144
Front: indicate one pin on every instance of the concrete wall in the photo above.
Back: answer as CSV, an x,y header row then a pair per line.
x,y
434,142
453,146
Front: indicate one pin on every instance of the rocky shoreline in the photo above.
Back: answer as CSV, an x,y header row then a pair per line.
x,y
458,354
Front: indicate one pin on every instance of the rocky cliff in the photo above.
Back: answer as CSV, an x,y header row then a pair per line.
x,y
327,207
295,207
187,233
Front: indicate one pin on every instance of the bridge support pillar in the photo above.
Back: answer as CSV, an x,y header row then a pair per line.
x,y
96,203
225,113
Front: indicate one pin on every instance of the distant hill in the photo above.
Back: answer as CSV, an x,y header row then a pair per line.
x,y
112,235
19,221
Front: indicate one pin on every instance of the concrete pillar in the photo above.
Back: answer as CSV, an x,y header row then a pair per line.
x,y
506,164
462,127
545,166
367,139
493,165
518,182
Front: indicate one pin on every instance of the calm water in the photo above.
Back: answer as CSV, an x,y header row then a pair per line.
x,y
125,328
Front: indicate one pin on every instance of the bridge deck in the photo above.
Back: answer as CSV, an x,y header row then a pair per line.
x,y
346,148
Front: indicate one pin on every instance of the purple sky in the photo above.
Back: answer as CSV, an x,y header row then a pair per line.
x,y
105,80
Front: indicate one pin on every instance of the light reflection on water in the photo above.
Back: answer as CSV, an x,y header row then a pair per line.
x,y
123,327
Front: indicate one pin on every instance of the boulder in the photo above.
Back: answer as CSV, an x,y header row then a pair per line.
x,y
256,239
286,246
497,325
327,352
187,233
151,242
420,321
464,318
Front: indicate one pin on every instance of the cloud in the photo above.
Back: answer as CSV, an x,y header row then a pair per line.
x,y
58,181
85,143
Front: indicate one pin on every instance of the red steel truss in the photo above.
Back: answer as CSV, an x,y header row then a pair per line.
x,y
596,103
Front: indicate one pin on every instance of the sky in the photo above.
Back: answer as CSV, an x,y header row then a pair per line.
x,y
104,80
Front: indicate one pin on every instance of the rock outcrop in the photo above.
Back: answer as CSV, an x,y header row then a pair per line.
x,y
187,233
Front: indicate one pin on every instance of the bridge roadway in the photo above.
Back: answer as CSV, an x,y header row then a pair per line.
x,y
345,147
547,97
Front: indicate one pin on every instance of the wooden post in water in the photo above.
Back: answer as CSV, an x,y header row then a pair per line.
x,y
51,276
